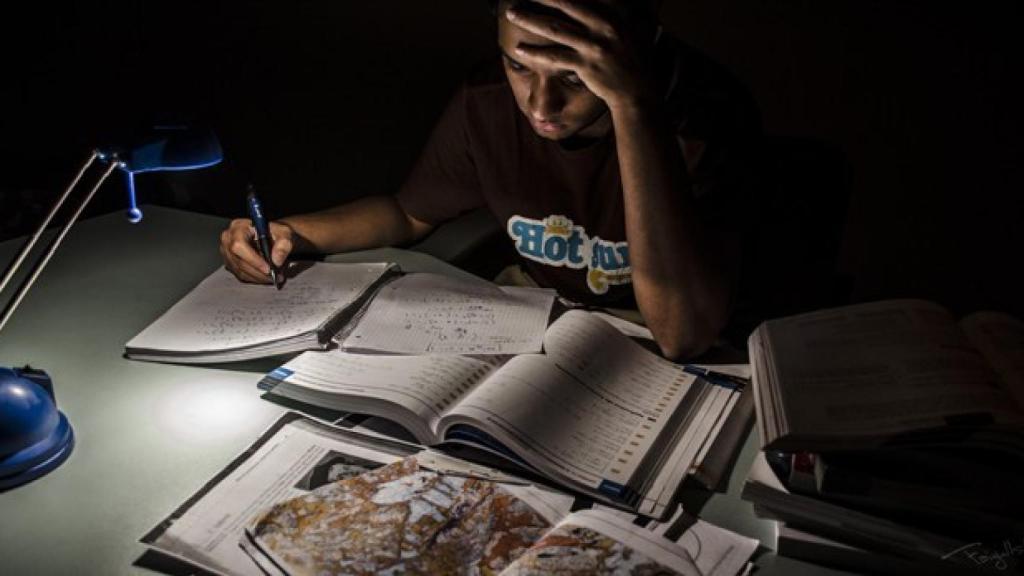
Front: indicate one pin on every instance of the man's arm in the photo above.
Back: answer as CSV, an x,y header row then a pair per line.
x,y
682,273
369,222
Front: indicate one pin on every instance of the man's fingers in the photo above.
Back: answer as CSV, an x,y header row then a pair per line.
x,y
590,15
554,56
282,248
244,252
247,273
561,30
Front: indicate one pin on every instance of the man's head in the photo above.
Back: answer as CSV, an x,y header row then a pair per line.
x,y
556,102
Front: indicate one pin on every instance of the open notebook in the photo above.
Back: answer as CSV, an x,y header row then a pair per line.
x,y
224,320
597,412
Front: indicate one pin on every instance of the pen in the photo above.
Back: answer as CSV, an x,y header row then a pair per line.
x,y
259,222
717,378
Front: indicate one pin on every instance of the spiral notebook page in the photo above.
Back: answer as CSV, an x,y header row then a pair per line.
x,y
434,314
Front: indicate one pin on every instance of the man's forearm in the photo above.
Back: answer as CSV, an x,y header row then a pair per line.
x,y
370,222
681,290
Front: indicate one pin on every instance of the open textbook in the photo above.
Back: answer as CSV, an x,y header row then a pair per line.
x,y
224,320
889,373
597,412
390,504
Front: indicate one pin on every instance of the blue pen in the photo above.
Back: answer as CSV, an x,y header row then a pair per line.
x,y
717,378
259,222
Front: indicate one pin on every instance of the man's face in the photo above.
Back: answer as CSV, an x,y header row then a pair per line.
x,y
557,104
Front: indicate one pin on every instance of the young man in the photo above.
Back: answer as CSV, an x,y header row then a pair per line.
x,y
611,153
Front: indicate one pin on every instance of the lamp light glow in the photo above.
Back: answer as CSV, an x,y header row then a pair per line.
x,y
35,437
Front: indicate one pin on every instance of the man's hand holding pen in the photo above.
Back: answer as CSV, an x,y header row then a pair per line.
x,y
253,256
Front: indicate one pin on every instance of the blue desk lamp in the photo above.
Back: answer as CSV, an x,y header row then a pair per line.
x,y
35,437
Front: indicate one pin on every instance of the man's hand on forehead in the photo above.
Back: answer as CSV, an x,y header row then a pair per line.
x,y
597,40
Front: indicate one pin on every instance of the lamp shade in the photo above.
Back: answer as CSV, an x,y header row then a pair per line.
x,y
172,148
34,436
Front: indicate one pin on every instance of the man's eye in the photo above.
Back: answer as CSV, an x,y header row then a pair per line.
x,y
516,66
573,81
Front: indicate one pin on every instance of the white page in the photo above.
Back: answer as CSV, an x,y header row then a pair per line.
x,y
426,385
617,368
717,551
222,313
617,548
628,328
563,426
435,314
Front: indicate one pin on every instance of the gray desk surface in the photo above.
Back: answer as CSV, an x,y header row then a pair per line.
x,y
149,435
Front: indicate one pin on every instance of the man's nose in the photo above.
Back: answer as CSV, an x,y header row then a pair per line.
x,y
546,100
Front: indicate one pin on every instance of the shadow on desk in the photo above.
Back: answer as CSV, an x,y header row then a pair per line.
x,y
164,564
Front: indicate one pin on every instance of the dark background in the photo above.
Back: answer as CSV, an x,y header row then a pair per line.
x,y
321,102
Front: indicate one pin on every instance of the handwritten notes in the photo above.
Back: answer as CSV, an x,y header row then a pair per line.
x,y
222,313
434,314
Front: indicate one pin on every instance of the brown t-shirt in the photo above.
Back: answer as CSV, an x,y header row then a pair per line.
x,y
563,208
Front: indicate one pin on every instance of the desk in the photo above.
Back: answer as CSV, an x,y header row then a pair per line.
x,y
149,435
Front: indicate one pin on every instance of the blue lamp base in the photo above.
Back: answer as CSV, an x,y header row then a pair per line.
x,y
35,437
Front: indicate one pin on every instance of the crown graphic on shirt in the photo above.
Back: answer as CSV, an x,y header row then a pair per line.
x,y
558,225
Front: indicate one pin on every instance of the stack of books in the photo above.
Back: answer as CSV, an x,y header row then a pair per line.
x,y
892,438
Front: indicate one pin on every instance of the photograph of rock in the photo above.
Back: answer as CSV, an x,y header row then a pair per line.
x,y
400,519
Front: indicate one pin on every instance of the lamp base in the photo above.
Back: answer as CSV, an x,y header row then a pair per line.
x,y
35,437
35,461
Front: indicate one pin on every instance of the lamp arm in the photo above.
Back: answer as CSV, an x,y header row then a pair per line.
x,y
20,258
41,263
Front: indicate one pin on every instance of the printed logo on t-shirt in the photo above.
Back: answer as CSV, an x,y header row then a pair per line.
x,y
555,241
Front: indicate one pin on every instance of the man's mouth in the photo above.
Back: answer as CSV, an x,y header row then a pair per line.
x,y
548,127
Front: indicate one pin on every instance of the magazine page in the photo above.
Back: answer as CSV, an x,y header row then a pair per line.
x,y
401,518
418,389
426,313
598,543
294,456
222,313
1000,339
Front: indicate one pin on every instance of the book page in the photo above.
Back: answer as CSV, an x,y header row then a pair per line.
x,y
425,385
435,314
877,369
1000,339
564,427
223,313
598,542
621,371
